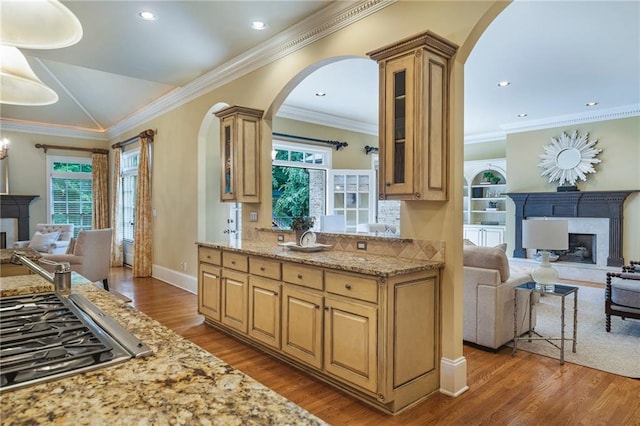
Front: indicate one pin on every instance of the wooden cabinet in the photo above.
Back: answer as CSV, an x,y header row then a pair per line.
x,y
414,116
302,325
373,336
240,145
351,342
209,291
264,310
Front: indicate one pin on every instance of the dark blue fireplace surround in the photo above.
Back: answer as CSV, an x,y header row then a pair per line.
x,y
588,204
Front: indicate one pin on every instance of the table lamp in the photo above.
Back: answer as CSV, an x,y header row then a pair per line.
x,y
545,235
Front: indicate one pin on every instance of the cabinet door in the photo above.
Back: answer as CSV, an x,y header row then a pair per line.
x,y
302,325
473,234
350,349
264,310
209,291
234,311
396,153
227,190
493,236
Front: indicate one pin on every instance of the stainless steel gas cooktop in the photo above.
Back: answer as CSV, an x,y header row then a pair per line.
x,y
46,337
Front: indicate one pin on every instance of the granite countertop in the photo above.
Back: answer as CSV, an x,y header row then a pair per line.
x,y
179,384
5,254
363,263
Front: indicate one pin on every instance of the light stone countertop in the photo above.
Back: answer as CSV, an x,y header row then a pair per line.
x,y
179,384
363,263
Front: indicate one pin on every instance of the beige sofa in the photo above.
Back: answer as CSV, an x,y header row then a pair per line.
x,y
489,297
51,238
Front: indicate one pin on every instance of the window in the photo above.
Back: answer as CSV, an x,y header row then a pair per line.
x,y
70,191
129,174
352,195
298,181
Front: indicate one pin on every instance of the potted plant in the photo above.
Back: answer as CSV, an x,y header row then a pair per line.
x,y
301,224
487,177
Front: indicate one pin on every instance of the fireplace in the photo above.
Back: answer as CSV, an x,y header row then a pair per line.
x,y
17,207
589,204
582,249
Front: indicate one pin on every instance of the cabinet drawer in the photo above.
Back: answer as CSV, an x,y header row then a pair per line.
x,y
209,255
235,261
302,275
352,286
265,268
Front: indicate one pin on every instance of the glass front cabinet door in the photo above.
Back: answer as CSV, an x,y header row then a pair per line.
x,y
240,135
414,113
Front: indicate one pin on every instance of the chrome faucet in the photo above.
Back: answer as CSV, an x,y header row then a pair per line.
x,y
60,278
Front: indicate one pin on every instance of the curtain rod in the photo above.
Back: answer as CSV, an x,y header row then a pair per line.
x,y
72,148
337,144
148,133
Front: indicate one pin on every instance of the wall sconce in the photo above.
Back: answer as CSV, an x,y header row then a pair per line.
x,y
4,148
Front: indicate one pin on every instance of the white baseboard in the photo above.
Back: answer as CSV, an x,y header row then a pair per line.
x,y
453,376
175,278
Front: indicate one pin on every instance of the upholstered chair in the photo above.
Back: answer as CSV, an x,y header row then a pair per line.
x,y
622,294
89,255
51,238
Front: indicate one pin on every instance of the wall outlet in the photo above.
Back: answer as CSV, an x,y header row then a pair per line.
x,y
361,245
183,265
281,237
253,216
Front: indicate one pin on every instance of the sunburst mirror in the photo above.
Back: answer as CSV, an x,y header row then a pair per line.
x,y
568,158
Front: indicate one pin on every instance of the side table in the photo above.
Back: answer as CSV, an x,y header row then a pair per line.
x,y
556,290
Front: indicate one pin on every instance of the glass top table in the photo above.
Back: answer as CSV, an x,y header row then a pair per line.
x,y
559,290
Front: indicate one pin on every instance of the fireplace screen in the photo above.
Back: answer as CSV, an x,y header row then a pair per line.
x,y
582,249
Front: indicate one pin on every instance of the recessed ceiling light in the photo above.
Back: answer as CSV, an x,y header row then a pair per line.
x,y
504,83
590,104
522,115
321,94
258,25
147,15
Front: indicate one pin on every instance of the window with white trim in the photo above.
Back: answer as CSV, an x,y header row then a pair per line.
x,y
70,191
129,175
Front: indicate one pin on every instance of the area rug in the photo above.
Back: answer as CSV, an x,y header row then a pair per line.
x,y
616,352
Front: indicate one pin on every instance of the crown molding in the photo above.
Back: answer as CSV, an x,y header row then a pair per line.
x,y
573,119
486,137
323,23
329,120
9,125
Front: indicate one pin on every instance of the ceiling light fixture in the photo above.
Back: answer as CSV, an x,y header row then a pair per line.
x,y
20,85
522,115
258,25
320,94
147,15
590,104
504,83
38,24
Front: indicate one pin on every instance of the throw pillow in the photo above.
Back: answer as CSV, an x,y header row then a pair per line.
x,y
41,242
502,247
468,242
487,258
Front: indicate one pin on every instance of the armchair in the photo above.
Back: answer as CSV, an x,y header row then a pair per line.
x,y
90,255
40,243
622,294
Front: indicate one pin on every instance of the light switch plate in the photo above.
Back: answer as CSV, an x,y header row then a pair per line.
x,y
253,216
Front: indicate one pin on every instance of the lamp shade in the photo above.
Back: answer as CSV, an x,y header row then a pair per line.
x,y
545,234
38,24
19,85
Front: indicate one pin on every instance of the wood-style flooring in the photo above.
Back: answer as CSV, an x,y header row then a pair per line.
x,y
524,389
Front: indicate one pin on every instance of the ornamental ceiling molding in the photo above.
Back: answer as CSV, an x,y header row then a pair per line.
x,y
569,158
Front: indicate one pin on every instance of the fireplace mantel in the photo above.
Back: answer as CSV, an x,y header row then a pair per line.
x,y
588,204
17,206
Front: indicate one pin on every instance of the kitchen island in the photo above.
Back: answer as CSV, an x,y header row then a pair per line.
x,y
365,323
179,383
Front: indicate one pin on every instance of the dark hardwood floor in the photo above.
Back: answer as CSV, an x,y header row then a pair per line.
x,y
524,389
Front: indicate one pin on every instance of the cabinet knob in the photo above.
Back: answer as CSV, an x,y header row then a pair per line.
x,y
317,306
208,257
347,286
275,293
233,262
387,184
299,276
262,268
326,308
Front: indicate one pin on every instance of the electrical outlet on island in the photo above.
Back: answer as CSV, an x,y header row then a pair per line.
x,y
361,245
280,237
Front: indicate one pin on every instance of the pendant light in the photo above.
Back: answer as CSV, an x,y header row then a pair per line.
x,y
38,24
19,85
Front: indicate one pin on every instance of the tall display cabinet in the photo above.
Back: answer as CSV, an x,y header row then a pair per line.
x,y
485,201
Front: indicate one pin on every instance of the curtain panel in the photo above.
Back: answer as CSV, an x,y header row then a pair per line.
x,y
142,245
116,211
100,178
